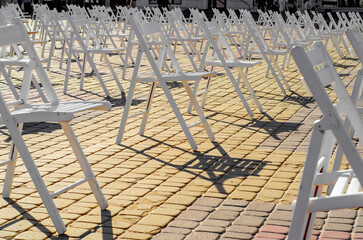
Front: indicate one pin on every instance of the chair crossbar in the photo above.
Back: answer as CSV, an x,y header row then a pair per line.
x,y
137,114
6,162
195,124
65,189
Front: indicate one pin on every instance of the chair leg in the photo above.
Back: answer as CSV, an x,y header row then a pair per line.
x,y
250,89
195,92
86,168
93,66
199,111
51,53
147,108
128,55
113,72
269,65
206,90
66,79
130,94
205,93
300,219
10,169
276,66
36,177
83,72
239,92
178,115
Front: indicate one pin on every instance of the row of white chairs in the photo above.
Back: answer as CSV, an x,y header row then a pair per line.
x,y
153,41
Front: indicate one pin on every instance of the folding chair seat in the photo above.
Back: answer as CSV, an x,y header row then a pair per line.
x,y
217,41
17,110
89,46
317,69
149,36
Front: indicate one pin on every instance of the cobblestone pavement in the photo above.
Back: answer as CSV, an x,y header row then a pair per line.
x,y
239,186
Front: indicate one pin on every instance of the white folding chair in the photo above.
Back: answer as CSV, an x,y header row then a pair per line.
x,y
217,41
269,55
108,31
150,35
355,37
23,111
89,45
318,70
179,34
283,38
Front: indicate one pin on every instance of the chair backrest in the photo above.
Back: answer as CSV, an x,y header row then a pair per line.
x,y
254,31
16,34
216,39
355,37
83,31
332,22
318,70
150,35
283,30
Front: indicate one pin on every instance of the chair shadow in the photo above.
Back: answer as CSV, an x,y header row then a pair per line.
x,y
211,164
24,216
296,98
270,126
273,127
32,128
106,224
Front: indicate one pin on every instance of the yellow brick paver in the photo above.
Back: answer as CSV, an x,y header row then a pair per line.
x,y
149,180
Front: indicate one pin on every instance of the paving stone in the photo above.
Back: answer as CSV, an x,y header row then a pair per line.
x,y
201,208
213,229
242,229
274,229
252,221
335,234
343,213
256,213
203,236
234,202
338,227
168,236
175,230
181,199
135,236
156,220
261,206
183,224
217,223
268,235
223,215
281,215
193,215
235,235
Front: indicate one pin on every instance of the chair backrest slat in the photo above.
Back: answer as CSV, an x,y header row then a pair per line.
x,y
10,35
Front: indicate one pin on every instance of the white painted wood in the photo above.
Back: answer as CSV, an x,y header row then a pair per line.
x,y
149,36
14,115
346,191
